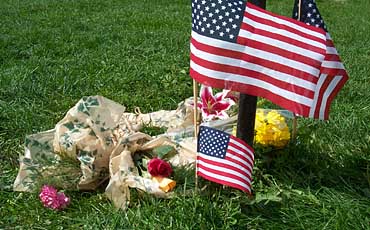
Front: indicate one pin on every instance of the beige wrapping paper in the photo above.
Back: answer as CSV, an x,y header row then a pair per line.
x,y
95,141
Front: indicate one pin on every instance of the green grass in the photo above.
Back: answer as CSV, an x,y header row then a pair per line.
x,y
52,53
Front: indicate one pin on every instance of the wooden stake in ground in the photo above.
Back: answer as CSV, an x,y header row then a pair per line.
x,y
196,124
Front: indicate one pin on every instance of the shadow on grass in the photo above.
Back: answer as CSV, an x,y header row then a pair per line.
x,y
301,165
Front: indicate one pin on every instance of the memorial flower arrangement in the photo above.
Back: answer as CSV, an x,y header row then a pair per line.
x,y
271,129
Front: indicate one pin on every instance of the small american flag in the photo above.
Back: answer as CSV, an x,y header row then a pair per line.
x,y
224,159
238,46
332,72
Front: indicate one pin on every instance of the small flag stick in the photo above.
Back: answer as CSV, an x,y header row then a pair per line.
x,y
196,124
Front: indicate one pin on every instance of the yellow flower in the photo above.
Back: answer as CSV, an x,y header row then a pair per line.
x,y
271,129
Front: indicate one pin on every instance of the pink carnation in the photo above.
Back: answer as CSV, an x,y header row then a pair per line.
x,y
53,199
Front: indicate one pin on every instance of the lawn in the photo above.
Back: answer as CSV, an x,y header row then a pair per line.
x,y
52,53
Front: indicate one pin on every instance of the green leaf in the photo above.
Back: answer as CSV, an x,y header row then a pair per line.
x,y
164,151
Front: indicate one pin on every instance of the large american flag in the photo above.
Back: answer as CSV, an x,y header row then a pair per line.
x,y
238,46
332,72
224,159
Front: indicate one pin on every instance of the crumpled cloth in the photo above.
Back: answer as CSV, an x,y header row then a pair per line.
x,y
95,142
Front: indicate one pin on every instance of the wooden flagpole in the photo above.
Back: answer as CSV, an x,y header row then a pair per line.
x,y
196,124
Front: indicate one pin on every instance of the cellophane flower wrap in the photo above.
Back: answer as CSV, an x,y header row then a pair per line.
x,y
53,199
271,129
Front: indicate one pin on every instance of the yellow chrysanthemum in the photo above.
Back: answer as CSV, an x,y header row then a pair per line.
x,y
271,129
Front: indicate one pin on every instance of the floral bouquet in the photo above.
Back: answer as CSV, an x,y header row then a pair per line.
x,y
271,126
271,129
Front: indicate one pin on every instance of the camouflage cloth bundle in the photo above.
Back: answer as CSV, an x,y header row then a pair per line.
x,y
94,142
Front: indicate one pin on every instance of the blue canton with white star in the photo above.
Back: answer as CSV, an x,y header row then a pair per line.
x,y
309,13
213,142
219,19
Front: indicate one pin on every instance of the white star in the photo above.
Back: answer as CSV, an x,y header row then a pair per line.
x,y
197,27
317,16
210,15
202,29
237,16
312,20
317,25
224,23
234,26
217,11
310,5
227,13
229,4
231,36
233,10
222,34
228,30
198,6
207,8
214,21
230,19
204,19
309,15
223,7
197,17
201,12
313,10
218,27
213,4
240,2
203,2
200,23
220,17
208,25
220,1
239,8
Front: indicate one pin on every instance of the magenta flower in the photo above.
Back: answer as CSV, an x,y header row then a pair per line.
x,y
215,106
53,199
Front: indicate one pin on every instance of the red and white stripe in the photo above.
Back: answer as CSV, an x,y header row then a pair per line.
x,y
235,170
332,78
277,58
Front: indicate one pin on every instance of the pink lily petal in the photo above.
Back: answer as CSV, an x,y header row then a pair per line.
x,y
222,105
206,95
222,115
222,95
233,96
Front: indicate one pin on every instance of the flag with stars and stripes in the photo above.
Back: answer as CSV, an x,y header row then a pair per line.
x,y
224,159
332,72
239,46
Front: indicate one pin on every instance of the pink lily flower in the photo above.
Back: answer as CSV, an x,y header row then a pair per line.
x,y
215,106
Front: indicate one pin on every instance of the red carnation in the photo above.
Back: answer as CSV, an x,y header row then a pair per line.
x,y
158,167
